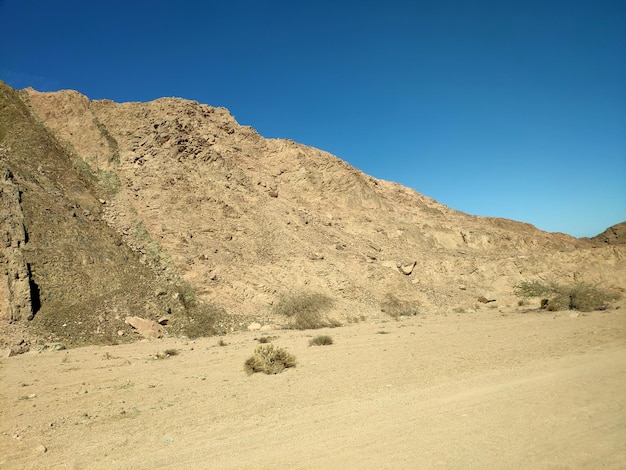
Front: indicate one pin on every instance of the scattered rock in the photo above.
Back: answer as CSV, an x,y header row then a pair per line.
x,y
407,269
147,328
42,449
164,321
254,326
484,300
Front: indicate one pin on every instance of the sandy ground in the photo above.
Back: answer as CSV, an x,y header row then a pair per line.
x,y
473,390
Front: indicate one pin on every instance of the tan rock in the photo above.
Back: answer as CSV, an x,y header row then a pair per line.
x,y
407,269
147,328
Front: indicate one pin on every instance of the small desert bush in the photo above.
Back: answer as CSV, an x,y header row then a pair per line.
x,y
395,307
270,360
579,296
167,353
321,340
355,319
528,289
200,318
306,310
200,321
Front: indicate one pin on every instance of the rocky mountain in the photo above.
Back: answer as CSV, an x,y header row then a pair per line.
x,y
172,209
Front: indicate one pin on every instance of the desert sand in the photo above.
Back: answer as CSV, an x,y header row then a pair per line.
x,y
495,388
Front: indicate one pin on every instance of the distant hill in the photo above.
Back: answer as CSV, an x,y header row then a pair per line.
x,y
172,209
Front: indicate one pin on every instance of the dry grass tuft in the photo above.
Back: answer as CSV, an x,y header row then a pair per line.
x,y
200,318
395,307
269,360
305,309
167,353
355,319
321,340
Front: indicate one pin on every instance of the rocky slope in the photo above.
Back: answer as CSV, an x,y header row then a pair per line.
x,y
615,235
141,208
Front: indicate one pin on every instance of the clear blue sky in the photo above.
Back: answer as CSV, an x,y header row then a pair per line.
x,y
504,108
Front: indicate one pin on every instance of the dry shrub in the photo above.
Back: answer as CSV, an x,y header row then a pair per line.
x,y
270,360
355,319
167,353
528,289
266,339
395,307
321,340
200,318
306,310
579,296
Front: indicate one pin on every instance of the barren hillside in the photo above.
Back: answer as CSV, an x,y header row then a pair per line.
x,y
159,208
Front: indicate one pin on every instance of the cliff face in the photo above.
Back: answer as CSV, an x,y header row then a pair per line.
x,y
66,275
177,193
17,291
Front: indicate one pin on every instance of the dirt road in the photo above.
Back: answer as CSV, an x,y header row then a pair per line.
x,y
474,390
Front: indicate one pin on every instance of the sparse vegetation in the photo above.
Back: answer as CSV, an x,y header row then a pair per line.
x,y
355,319
201,320
113,145
167,353
579,296
201,317
153,249
305,309
264,339
222,343
395,307
110,181
321,340
269,360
